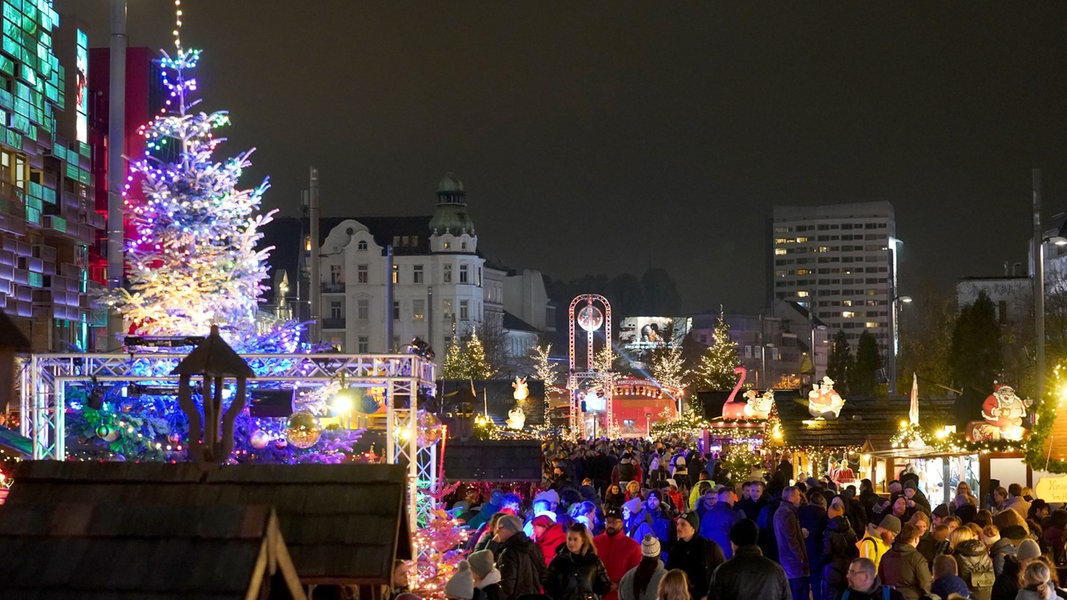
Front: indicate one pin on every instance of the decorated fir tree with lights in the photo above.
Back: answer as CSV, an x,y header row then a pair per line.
x,y
194,261
716,368
468,362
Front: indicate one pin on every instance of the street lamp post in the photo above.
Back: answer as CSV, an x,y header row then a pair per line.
x,y
894,335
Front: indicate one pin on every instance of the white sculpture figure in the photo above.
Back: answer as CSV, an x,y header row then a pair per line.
x,y
516,418
823,401
522,392
757,406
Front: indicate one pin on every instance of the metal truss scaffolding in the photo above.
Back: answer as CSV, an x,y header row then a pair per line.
x,y
44,380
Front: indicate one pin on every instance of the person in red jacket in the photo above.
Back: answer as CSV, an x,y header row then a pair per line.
x,y
619,552
549,536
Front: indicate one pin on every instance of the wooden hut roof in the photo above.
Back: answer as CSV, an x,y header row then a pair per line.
x,y
114,551
860,421
341,523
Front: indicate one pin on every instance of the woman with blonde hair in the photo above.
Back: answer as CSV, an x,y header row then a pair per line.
x,y
975,566
1037,583
673,586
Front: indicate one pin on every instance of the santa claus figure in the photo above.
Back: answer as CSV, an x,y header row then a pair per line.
x,y
1005,411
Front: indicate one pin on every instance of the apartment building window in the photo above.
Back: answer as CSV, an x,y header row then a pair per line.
x,y
396,274
396,310
416,274
479,277
418,309
446,310
362,273
337,310
336,274
464,310
363,309
363,344
447,272
361,245
464,274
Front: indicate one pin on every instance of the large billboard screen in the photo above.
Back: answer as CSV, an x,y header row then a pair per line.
x,y
646,333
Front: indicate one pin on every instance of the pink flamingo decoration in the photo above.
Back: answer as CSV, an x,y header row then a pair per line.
x,y
731,409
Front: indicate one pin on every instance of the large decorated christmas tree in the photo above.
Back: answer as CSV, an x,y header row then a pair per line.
x,y
194,264
194,261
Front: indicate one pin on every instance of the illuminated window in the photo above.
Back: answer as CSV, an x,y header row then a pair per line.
x,y
803,272
396,273
418,309
846,303
848,314
448,245
801,240
802,293
871,325
307,244
780,251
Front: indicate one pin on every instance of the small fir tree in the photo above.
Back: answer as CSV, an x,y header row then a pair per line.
x,y
716,369
865,375
470,362
840,362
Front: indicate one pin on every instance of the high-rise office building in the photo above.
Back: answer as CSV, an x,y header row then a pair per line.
x,y
840,260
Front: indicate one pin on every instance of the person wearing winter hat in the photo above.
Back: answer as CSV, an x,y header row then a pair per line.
x,y
642,581
697,556
1007,582
877,539
748,574
638,519
549,535
620,552
486,576
520,561
461,585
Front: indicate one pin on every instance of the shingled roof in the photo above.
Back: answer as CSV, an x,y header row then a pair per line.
x,y
860,421
114,551
342,524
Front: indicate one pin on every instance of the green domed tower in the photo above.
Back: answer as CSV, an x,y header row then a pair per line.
x,y
451,228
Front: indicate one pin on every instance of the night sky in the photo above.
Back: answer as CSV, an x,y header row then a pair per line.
x,y
605,137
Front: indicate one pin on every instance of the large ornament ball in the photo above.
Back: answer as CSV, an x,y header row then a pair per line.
x,y
260,439
429,428
107,433
303,430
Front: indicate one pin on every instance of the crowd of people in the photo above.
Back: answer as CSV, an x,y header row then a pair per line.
x,y
641,521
